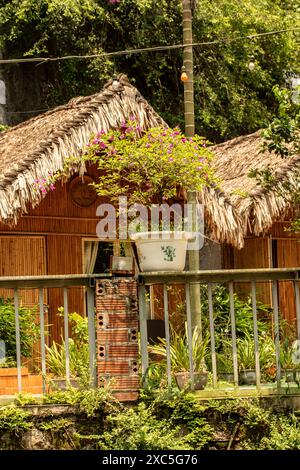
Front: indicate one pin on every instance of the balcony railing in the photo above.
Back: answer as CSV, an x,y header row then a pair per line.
x,y
237,283
63,282
246,283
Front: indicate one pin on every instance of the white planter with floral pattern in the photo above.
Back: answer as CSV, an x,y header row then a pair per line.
x,y
161,251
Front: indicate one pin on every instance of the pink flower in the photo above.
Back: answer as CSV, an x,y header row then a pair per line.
x,y
184,139
52,187
96,141
171,159
44,191
148,146
102,145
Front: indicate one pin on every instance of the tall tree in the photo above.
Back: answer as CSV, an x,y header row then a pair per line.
x,y
229,99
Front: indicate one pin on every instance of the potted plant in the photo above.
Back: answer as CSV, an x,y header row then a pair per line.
x,y
287,362
78,355
246,356
151,169
180,362
225,362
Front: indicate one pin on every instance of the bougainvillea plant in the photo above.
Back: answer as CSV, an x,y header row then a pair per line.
x,y
148,167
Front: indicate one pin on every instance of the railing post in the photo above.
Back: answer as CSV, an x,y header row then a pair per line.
x,y
42,330
297,302
255,331
66,331
18,344
212,335
233,336
189,333
90,293
143,332
276,330
167,332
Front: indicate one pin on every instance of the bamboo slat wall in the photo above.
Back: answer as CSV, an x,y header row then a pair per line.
x,y
288,255
49,240
14,259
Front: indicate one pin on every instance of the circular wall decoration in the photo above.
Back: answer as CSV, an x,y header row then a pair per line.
x,y
81,191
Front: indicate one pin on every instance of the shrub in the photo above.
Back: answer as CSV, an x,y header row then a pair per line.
x,y
14,419
140,429
29,329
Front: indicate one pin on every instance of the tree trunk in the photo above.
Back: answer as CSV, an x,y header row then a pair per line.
x,y
188,63
189,117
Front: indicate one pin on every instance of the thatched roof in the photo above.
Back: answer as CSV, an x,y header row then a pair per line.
x,y
255,208
32,149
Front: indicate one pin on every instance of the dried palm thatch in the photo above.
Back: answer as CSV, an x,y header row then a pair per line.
x,y
30,150
255,207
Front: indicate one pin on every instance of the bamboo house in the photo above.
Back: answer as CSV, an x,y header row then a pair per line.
x,y
56,233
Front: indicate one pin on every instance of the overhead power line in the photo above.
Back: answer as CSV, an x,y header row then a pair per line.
x,y
41,60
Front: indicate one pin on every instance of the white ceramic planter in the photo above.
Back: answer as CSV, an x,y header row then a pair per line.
x,y
162,251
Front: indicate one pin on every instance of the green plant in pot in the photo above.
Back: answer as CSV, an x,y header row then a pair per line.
x,y
180,362
287,364
246,356
152,169
225,361
78,355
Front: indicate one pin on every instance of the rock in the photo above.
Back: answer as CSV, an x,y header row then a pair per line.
x,y
36,440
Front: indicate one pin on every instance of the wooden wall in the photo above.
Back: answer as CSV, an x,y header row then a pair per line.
x,y
49,240
278,249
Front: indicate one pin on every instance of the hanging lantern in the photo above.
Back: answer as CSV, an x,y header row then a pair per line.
x,y
184,76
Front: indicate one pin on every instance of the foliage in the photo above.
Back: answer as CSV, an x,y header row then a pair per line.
x,y
7,362
139,429
55,425
23,399
78,351
225,358
283,133
287,354
29,328
246,352
14,419
284,434
89,401
242,310
179,350
184,410
230,100
172,420
3,127
148,167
